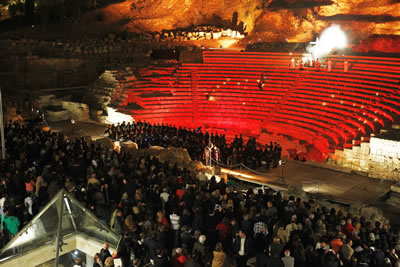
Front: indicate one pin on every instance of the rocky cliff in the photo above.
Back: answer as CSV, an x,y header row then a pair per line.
x,y
267,20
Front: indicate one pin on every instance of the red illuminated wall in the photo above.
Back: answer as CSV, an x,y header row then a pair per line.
x,y
327,110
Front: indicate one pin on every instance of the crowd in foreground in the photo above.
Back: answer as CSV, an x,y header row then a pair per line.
x,y
168,217
209,148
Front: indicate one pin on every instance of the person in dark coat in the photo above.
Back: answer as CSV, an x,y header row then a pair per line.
x,y
199,250
242,248
161,259
105,252
152,245
124,250
274,262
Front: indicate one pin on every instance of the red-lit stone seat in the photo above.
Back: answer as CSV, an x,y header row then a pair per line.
x,y
326,109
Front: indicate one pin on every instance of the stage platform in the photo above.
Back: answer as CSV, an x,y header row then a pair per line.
x,y
342,187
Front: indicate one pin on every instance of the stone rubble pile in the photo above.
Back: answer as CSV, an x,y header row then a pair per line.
x,y
198,33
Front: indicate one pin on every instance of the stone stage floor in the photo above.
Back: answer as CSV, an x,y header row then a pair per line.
x,y
331,184
327,184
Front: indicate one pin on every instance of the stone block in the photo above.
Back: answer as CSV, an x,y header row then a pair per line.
x,y
364,164
129,145
365,149
371,213
56,115
44,100
77,111
347,164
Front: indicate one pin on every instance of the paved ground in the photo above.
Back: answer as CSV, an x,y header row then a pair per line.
x,y
344,187
79,129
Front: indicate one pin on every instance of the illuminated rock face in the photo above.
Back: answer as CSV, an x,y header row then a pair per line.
x,y
387,43
269,20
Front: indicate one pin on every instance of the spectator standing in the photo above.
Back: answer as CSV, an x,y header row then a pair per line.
x,y
288,261
105,252
242,248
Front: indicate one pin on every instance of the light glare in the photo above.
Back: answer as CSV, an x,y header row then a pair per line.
x,y
331,38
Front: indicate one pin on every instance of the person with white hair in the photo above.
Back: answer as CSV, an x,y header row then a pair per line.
x,y
288,261
199,249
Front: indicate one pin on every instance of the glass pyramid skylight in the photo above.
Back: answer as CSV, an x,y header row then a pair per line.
x,y
63,216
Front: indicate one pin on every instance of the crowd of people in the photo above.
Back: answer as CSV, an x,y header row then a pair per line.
x,y
168,217
208,148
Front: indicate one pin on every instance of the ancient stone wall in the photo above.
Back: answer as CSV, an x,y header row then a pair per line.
x,y
377,159
110,49
384,159
33,72
34,64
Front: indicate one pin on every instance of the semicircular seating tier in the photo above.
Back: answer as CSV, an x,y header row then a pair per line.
x,y
327,110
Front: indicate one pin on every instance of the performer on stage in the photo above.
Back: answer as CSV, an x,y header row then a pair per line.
x,y
329,65
208,153
311,62
317,65
345,66
215,154
291,65
301,67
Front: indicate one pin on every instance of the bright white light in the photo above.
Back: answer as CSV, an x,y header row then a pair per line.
x,y
115,117
331,38
226,43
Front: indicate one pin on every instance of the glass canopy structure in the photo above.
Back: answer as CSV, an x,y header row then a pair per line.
x,y
62,226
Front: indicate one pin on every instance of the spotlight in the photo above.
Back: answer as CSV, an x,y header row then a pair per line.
x,y
331,38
